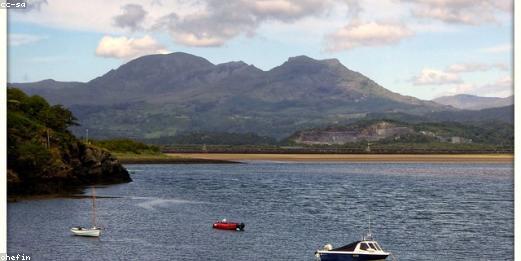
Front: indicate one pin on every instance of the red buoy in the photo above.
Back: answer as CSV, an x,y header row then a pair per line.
x,y
225,225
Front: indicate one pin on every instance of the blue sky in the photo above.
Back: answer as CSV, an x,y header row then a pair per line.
x,y
425,49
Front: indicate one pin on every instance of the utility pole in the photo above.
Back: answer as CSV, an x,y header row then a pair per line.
x,y
48,139
87,136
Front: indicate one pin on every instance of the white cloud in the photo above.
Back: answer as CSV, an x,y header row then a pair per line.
x,y
502,48
452,74
460,89
366,34
436,77
502,87
214,23
98,15
128,48
475,67
218,22
77,15
14,39
196,23
471,12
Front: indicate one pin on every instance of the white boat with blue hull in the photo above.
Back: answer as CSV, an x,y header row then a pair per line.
x,y
366,249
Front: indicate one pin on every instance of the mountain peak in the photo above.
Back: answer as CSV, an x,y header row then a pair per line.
x,y
300,59
233,64
332,62
156,66
303,59
175,57
47,81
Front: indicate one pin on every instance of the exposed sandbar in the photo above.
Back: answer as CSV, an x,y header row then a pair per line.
x,y
438,158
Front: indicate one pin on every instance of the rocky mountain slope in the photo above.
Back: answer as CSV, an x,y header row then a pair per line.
x,y
164,95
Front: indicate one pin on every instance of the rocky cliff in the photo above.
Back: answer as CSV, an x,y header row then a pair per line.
x,y
81,165
43,157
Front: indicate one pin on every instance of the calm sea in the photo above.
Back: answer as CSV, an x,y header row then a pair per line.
x,y
418,212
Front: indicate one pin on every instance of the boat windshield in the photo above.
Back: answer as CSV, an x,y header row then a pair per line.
x,y
378,246
364,246
373,246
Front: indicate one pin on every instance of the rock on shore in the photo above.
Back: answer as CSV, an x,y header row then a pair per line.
x,y
79,165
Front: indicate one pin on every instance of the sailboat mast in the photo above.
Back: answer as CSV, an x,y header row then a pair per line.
x,y
93,207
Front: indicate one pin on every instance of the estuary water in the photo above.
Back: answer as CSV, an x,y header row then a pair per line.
x,y
418,212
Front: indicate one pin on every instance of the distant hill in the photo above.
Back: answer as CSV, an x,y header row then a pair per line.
x,y
472,102
500,114
395,132
163,95
214,139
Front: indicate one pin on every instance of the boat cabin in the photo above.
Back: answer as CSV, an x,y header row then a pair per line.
x,y
364,246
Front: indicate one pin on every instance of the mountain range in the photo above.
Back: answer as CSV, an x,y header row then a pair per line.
x,y
472,102
168,94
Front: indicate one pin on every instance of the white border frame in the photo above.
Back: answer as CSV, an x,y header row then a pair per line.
x,y
3,133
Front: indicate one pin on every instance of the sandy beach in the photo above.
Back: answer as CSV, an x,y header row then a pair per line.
x,y
439,158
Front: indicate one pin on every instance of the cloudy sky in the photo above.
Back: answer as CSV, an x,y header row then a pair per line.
x,y
423,48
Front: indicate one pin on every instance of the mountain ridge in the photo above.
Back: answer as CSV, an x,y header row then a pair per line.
x,y
474,102
164,94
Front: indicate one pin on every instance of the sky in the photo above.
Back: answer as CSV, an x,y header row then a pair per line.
x,y
421,48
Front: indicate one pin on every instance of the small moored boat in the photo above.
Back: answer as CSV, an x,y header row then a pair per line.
x,y
225,225
366,249
86,232
94,231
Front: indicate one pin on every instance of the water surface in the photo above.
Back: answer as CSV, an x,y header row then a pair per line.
x,y
418,212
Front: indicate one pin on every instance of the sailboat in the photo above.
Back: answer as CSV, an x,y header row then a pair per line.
x,y
94,231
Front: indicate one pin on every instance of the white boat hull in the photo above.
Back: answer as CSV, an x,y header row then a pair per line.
x,y
86,232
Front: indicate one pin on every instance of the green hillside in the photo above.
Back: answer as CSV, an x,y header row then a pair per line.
x,y
44,157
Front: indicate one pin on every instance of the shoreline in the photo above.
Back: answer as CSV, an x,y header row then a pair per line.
x,y
18,198
375,158
166,159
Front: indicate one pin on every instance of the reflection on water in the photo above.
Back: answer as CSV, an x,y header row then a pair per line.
x,y
418,211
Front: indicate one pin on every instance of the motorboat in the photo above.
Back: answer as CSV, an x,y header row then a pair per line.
x,y
365,249
226,225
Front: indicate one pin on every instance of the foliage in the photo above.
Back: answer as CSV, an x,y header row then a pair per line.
x,y
126,146
34,158
42,154
36,131
483,135
215,138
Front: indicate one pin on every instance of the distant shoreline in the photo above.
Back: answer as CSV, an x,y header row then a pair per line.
x,y
376,158
166,159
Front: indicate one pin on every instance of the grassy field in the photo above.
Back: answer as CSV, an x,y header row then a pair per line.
x,y
160,158
440,158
